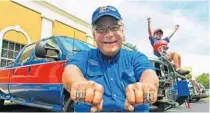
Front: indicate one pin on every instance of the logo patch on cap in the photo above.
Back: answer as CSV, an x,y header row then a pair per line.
x,y
113,9
102,9
105,10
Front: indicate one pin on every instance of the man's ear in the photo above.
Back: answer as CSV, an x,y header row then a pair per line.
x,y
94,35
93,31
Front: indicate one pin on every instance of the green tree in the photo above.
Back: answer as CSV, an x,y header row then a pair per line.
x,y
203,79
129,45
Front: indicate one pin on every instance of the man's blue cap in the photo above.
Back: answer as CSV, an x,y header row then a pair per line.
x,y
105,10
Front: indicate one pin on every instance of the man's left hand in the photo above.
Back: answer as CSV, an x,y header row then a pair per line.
x,y
140,93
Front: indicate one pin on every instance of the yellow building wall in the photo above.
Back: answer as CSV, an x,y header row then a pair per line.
x,y
30,21
10,34
62,29
94,43
80,35
14,14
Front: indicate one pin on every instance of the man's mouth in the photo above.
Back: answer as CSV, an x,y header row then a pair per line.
x,y
111,42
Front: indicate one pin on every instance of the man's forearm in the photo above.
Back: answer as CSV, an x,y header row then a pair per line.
x,y
149,76
71,75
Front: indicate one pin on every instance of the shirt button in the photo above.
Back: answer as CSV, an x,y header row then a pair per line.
x,y
111,79
114,95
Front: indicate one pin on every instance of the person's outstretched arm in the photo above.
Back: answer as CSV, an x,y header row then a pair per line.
x,y
149,27
174,31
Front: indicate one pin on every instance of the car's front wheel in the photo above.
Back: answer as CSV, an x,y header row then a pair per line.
x,y
68,104
189,98
1,103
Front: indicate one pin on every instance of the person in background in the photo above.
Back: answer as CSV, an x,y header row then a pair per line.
x,y
158,43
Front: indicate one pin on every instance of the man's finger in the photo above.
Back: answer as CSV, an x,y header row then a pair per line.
x,y
93,109
73,92
98,95
78,87
138,93
149,90
128,106
97,107
130,95
89,95
138,96
155,96
100,106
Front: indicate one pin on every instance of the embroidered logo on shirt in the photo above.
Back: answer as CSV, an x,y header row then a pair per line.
x,y
92,62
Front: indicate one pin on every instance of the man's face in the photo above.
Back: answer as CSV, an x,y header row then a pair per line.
x,y
108,35
158,35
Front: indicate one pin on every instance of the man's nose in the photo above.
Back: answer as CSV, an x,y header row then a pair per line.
x,y
110,34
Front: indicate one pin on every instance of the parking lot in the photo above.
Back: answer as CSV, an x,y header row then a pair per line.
x,y
200,106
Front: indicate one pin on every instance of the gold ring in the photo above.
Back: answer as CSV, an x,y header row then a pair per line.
x,y
148,98
80,96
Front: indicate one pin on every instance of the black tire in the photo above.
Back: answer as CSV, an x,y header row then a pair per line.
x,y
1,103
161,108
197,99
181,100
189,98
68,104
153,108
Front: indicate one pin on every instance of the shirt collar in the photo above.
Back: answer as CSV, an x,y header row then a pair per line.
x,y
115,58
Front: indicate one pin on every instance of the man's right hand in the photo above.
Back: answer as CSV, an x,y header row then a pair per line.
x,y
90,91
149,19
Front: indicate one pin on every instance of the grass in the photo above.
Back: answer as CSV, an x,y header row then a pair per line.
x,y
207,98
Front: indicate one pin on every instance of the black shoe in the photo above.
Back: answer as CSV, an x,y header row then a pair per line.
x,y
182,71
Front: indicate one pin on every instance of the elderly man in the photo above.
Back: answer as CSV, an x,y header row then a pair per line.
x,y
110,78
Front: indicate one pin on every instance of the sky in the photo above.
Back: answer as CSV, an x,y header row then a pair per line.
x,y
191,40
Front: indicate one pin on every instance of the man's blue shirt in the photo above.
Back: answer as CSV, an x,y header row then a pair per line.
x,y
126,68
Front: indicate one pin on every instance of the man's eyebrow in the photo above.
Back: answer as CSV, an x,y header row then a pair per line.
x,y
100,25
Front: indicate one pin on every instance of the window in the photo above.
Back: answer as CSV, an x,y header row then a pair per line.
x,y
9,52
27,52
78,45
50,43
67,43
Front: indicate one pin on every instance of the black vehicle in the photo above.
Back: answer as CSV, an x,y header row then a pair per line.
x,y
197,91
203,91
173,87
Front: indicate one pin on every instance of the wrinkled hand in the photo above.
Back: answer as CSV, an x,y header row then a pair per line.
x,y
148,19
177,26
92,93
136,93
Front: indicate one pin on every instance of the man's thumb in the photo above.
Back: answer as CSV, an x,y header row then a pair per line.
x,y
128,106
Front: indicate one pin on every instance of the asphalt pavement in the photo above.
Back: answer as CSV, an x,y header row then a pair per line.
x,y
200,106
